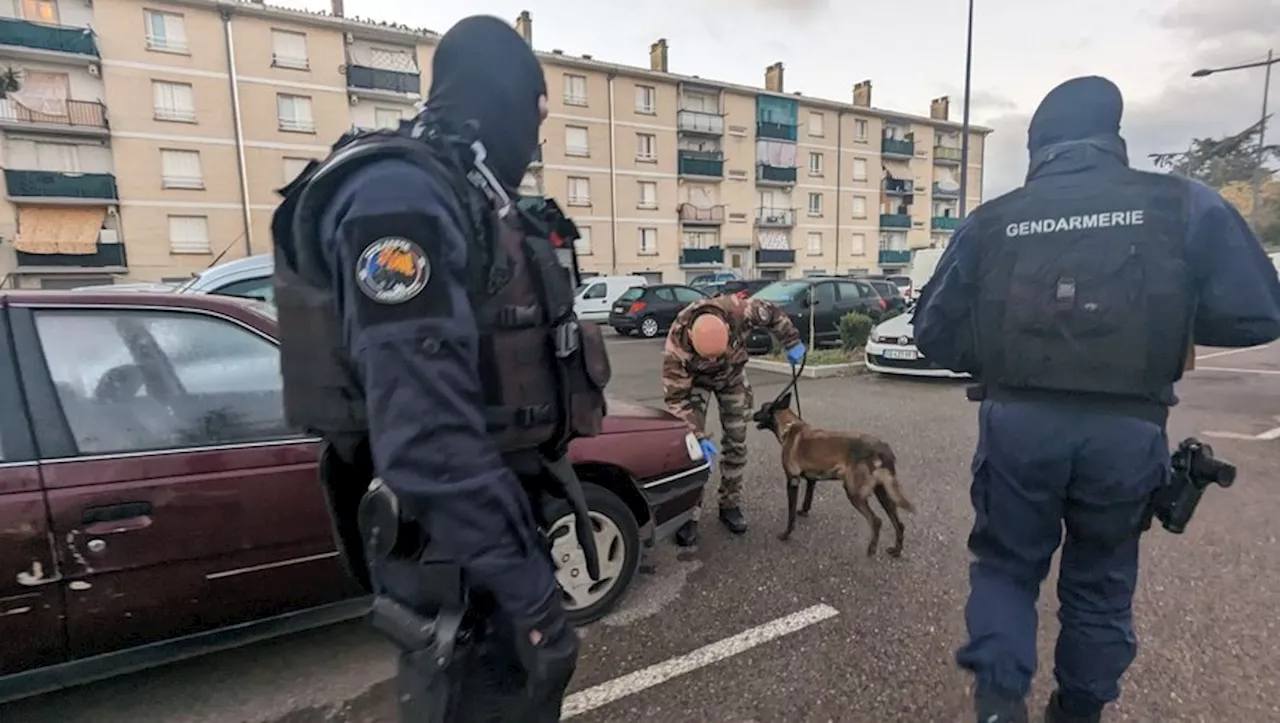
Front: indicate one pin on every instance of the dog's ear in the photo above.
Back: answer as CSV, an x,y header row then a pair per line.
x,y
784,402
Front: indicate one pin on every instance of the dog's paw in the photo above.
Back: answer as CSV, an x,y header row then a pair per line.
x,y
784,536
871,552
802,513
894,552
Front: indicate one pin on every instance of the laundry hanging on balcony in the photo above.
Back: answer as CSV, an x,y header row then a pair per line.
x,y
400,61
774,240
43,94
776,154
48,230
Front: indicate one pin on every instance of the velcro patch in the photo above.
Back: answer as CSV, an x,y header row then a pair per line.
x,y
395,264
392,270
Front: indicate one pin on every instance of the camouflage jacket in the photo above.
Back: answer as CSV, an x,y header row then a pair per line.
x,y
683,370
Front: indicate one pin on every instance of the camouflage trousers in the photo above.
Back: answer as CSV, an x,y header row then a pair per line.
x,y
735,402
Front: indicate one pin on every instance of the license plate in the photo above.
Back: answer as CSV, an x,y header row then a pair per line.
x,y
903,354
619,309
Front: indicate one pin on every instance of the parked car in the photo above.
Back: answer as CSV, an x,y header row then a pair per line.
x,y
595,296
650,310
154,504
889,291
816,300
892,350
905,287
249,277
716,277
742,288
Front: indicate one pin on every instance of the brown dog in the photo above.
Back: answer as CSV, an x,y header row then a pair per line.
x,y
864,464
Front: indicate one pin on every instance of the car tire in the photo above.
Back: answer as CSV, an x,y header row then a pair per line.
x,y
618,544
649,327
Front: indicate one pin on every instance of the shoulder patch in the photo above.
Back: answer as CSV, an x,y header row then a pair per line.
x,y
392,270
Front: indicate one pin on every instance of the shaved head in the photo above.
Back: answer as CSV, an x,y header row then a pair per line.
x,y
709,336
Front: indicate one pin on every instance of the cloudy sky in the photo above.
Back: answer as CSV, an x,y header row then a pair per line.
x,y
912,53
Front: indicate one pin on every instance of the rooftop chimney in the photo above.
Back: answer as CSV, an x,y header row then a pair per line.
x,y
524,25
335,6
862,94
773,78
658,56
940,108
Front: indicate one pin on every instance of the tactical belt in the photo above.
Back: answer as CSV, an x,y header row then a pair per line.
x,y
500,417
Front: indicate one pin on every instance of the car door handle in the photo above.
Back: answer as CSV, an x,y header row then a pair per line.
x,y
109,519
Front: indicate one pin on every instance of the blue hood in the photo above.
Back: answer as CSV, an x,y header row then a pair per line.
x,y
1077,126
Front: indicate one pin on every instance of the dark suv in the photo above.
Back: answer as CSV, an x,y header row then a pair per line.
x,y
816,300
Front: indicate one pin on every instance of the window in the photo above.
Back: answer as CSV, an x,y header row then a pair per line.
x,y
854,290
815,164
289,49
294,113
165,32
387,117
857,244
824,294
293,167
701,239
648,241
579,191
173,101
685,295
40,11
138,381
189,234
575,141
583,244
399,60
180,169
815,204
860,130
893,241
646,99
859,206
596,291
859,169
648,194
575,89
64,157
816,124
263,288
646,147
814,243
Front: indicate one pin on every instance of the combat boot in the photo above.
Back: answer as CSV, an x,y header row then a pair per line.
x,y
687,535
1053,713
990,709
733,520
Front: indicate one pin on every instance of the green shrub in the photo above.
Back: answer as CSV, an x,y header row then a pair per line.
x,y
854,330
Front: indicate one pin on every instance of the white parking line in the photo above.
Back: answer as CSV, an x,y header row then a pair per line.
x,y
1231,351
1235,370
618,688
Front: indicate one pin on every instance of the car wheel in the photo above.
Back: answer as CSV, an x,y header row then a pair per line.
x,y
617,537
649,327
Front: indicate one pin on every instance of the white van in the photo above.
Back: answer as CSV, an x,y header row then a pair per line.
x,y
595,296
923,264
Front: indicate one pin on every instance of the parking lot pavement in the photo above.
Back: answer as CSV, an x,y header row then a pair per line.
x,y
753,629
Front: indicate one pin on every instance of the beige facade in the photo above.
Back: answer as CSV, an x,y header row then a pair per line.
x,y
153,146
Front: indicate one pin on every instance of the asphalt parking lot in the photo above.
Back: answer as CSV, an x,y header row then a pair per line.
x,y
752,630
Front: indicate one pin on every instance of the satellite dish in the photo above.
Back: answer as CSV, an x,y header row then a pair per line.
x,y
947,185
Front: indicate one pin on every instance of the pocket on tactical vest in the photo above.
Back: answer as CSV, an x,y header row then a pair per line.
x,y
590,375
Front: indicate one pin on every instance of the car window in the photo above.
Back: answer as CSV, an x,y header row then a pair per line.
x,y
781,292
595,292
687,296
900,280
665,294
632,294
824,294
262,288
849,291
136,381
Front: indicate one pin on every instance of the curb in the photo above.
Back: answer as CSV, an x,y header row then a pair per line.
x,y
824,371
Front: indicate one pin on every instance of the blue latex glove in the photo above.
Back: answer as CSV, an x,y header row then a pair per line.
x,y
796,353
708,449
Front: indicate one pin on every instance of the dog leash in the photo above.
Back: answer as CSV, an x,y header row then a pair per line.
x,y
792,386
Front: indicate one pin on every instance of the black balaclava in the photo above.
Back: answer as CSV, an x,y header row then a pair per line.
x,y
1080,108
484,71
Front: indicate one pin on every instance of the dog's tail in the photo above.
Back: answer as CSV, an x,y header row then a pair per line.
x,y
886,478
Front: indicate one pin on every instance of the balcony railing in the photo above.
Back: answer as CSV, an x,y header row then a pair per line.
x,y
895,220
701,163
776,217
56,184
895,147
105,255
698,121
899,187
79,114
946,154
944,223
775,256
702,257
691,214
895,257
395,81
777,131
945,192
38,36
773,174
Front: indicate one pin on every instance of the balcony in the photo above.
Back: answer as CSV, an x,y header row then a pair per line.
x,y
708,164
774,175
947,155
771,257
48,38
700,122
391,81
946,192
82,117
106,255
776,131
899,187
692,215
775,217
702,257
56,184
898,149
944,223
895,220
895,257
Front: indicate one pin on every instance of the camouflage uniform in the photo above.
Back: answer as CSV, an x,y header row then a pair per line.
x,y
688,381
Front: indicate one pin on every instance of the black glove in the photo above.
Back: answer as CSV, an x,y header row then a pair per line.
x,y
547,646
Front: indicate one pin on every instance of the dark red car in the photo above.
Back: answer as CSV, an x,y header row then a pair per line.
x,y
155,505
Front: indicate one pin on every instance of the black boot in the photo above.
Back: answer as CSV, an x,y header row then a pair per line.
x,y
687,535
733,520
990,709
1053,713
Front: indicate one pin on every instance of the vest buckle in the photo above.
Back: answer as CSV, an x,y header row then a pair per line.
x,y
567,336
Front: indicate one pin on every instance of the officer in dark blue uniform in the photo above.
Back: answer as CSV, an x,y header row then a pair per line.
x,y
1074,301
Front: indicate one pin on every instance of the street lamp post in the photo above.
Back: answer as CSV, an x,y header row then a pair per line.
x,y
1262,127
964,126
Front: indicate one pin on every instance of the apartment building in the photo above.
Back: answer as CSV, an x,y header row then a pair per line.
x,y
145,140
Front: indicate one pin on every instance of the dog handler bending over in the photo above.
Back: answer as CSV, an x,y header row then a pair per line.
x,y
1073,300
705,354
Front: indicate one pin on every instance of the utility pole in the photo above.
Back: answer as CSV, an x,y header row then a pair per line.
x,y
1258,171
